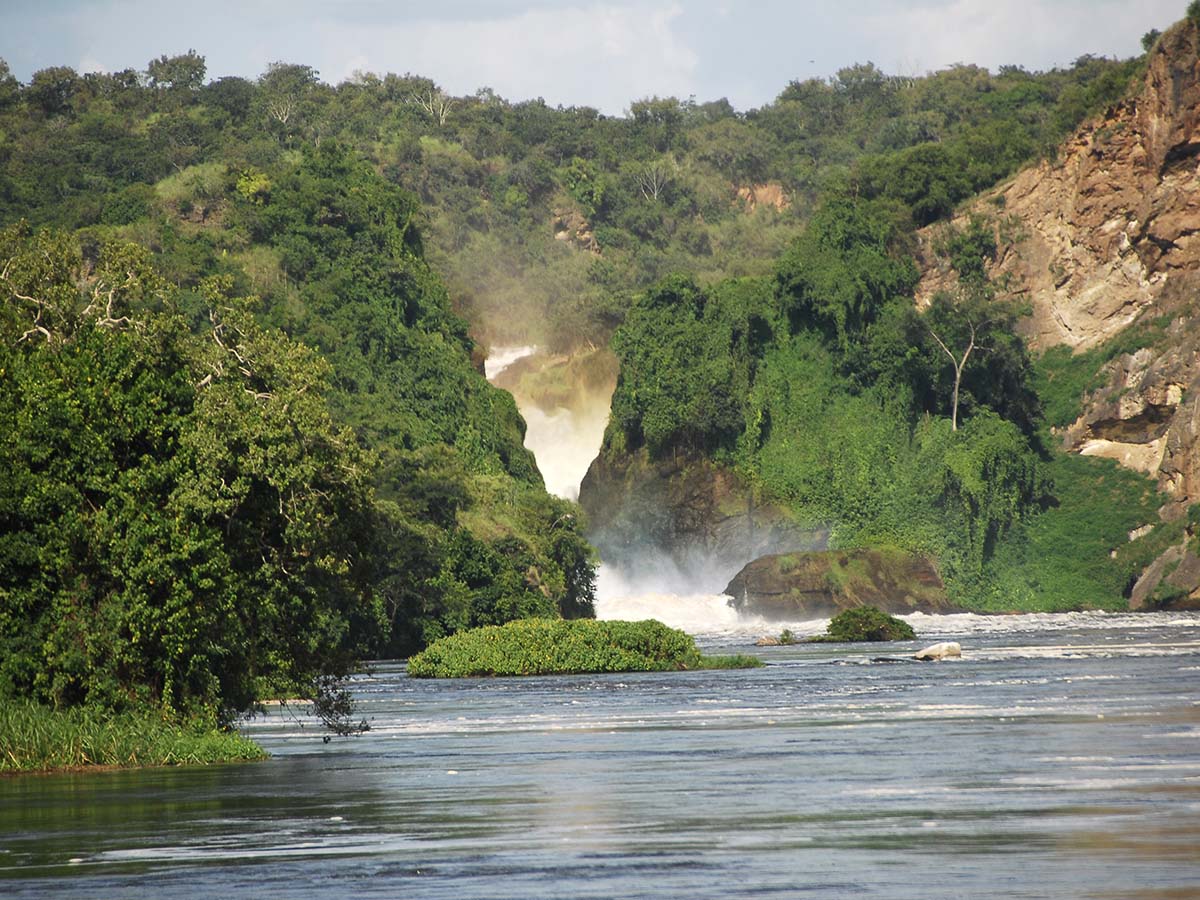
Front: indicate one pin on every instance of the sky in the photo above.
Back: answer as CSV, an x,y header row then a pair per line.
x,y
602,54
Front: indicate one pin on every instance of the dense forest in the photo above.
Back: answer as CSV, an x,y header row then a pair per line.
x,y
249,437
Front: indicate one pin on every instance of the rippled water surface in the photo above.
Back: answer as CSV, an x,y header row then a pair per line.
x,y
1059,758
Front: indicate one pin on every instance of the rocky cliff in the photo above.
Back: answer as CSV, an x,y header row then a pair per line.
x,y
1092,238
686,513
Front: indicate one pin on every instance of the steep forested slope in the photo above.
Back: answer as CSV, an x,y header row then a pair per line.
x,y
206,490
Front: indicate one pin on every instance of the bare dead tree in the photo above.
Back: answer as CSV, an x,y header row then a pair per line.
x,y
653,179
435,103
280,107
959,361
230,339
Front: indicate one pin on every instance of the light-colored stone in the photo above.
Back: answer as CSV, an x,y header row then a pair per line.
x,y
944,650
1140,457
1140,532
770,194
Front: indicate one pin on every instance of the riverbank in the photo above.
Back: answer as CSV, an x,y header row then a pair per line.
x,y
35,738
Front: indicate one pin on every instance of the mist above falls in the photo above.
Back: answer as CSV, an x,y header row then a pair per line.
x,y
565,416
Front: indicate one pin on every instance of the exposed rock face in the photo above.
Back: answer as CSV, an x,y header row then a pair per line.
x,y
793,587
1171,582
572,227
1108,232
1092,238
770,194
697,516
1146,412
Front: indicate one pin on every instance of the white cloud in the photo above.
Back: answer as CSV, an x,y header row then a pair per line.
x,y
89,63
602,56
602,53
1038,34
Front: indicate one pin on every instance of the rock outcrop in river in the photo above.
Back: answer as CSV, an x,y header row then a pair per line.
x,y
793,587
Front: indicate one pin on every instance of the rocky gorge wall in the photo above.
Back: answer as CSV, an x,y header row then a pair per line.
x,y
687,518
1093,237
1105,237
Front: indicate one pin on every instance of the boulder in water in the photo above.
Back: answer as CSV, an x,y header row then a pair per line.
x,y
792,587
944,650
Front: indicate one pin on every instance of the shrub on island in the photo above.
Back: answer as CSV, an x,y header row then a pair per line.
x,y
862,624
566,647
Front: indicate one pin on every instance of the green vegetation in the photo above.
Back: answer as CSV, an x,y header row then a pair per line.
x,y
546,647
205,489
864,624
35,738
673,186
1062,559
1064,378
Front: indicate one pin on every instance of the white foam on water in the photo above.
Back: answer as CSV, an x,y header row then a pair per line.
x,y
651,596
500,358
977,623
693,613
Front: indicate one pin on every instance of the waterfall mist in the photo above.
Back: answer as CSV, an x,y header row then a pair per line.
x,y
565,411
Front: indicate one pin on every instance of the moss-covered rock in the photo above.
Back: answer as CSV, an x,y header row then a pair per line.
x,y
792,587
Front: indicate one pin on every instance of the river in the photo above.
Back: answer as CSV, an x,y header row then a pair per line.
x,y
1059,758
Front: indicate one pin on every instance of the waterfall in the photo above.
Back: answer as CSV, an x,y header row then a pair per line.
x,y
564,439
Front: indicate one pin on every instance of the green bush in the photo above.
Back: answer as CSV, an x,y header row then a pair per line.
x,y
865,623
558,647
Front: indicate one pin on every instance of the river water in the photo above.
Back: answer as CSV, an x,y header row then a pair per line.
x,y
1059,758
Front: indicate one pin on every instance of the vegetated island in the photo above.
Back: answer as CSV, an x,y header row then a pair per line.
x,y
566,647
864,624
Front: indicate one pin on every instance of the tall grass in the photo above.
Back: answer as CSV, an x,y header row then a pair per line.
x,y
35,738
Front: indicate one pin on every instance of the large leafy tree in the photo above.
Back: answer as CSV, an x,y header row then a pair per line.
x,y
842,272
179,515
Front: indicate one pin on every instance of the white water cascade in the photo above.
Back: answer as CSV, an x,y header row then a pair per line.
x,y
564,441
